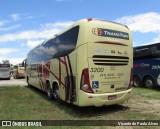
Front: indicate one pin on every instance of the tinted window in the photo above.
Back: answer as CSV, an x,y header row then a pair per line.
x,y
4,65
60,46
148,51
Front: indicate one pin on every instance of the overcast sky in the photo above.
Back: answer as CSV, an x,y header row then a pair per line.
x,y
26,23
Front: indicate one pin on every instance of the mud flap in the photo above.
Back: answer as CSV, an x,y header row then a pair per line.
x,y
70,90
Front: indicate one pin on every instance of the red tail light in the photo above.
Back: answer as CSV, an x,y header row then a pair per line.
x,y
131,80
85,83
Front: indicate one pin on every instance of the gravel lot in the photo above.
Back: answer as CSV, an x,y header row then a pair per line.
x,y
13,82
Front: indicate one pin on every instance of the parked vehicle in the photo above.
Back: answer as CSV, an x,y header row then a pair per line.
x,y
19,71
88,64
5,70
147,65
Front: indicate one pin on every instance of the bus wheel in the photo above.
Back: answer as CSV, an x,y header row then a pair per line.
x,y
137,81
49,91
56,92
149,82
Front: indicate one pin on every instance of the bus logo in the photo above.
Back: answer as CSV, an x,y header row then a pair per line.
x,y
119,52
105,51
97,31
113,51
110,33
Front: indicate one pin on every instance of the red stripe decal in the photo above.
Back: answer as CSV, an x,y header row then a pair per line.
x,y
114,43
66,67
57,78
62,61
54,75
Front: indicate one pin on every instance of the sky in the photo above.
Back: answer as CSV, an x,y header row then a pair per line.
x,y
26,23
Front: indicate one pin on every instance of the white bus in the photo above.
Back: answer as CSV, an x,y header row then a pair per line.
x,y
5,70
88,64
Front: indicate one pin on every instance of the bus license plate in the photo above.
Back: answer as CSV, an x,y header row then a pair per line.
x,y
111,97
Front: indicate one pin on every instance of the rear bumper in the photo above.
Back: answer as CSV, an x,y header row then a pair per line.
x,y
87,99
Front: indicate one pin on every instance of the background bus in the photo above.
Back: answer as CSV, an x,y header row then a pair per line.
x,y
19,71
147,65
90,63
5,70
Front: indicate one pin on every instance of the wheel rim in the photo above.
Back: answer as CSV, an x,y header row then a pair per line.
x,y
56,93
48,93
149,83
136,82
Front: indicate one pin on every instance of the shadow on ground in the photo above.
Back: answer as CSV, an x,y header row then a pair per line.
x,y
81,112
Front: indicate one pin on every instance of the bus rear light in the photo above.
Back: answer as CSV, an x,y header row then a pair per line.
x,y
85,83
131,80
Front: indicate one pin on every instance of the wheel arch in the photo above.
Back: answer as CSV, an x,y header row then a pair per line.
x,y
141,80
136,75
47,82
54,83
152,77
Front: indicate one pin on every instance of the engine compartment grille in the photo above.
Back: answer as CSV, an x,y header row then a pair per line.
x,y
110,60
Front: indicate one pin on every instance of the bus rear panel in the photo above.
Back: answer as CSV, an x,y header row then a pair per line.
x,y
107,76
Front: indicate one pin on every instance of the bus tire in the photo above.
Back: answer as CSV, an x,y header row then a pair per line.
x,y
56,95
49,91
149,82
137,81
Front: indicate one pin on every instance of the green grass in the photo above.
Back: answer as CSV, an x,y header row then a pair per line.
x,y
24,103
147,93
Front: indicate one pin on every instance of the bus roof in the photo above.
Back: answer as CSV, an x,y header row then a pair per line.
x,y
82,21
96,19
147,45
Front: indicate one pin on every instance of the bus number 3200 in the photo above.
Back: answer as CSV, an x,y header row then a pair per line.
x,y
97,70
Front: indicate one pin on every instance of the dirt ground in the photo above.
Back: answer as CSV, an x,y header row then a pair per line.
x,y
144,105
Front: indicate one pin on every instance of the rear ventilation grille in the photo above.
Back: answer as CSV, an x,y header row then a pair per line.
x,y
110,60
